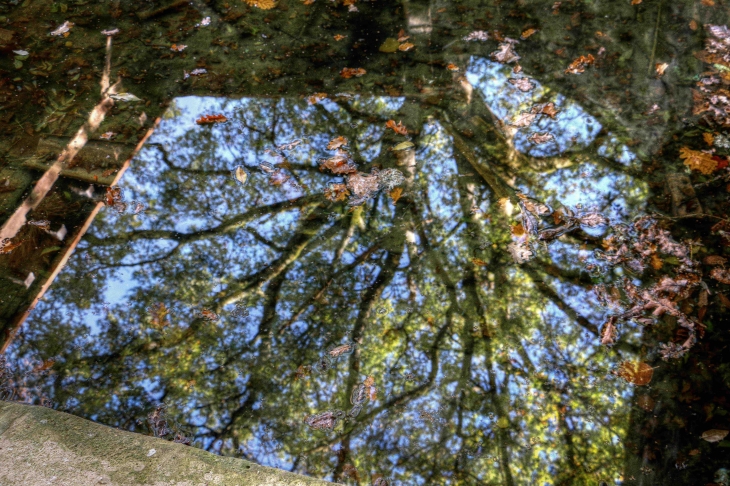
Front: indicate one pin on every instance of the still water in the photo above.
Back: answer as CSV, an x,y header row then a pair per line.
x,y
448,242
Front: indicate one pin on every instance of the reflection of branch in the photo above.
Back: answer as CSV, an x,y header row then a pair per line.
x,y
550,293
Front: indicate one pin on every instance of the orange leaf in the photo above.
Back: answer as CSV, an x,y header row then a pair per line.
x,y
398,128
395,194
336,192
262,4
406,46
336,143
696,160
339,164
402,37
452,67
479,262
339,37
211,119
527,33
316,98
579,65
348,73
637,373
709,138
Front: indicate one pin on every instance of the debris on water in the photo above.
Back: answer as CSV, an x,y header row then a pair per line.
x,y
107,135
21,53
341,350
241,175
126,97
194,72
390,178
110,32
477,35
506,53
151,452
204,22
63,29
325,420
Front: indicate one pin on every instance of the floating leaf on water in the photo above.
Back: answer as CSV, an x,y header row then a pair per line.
x,y
452,67
178,47
211,119
661,67
43,224
406,46
336,192
523,84
520,252
403,146
477,35
395,194
548,109
107,135
341,350
388,179
63,29
362,186
593,219
721,275
398,128
506,53
527,33
316,98
209,315
402,37
540,138
638,373
714,435
697,160
289,145
341,163
348,73
524,119
194,72
126,97
241,175
390,45
325,420
110,32
608,333
204,22
21,53
336,143
262,4
339,37
579,64
714,260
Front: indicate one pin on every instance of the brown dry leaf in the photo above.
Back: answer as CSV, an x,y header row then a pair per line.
x,y
696,160
452,67
398,128
708,3
540,138
308,2
336,143
714,260
336,192
524,119
656,262
709,138
638,373
406,46
362,186
341,163
517,69
721,275
635,2
369,381
517,230
527,33
608,333
348,73
402,37
479,262
339,37
714,435
548,109
660,68
523,84
262,4
7,246
506,53
316,98
693,25
579,64
395,194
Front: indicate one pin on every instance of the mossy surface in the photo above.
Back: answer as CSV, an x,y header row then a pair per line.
x,y
42,446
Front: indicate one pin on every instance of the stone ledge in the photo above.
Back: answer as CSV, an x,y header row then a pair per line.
x,y
42,446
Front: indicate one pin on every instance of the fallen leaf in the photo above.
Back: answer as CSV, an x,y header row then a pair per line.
x,y
714,260
362,186
714,435
402,37
452,67
7,246
107,135
209,315
660,68
696,160
635,2
262,4
406,46
241,175
708,3
608,333
527,33
398,128
693,25
721,275
656,262
523,84
178,47
348,73
638,373
540,138
477,35
506,53
211,119
339,37
708,138
524,119
316,98
64,28
389,45
336,192
548,109
402,146
395,194
339,164
579,65
336,143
